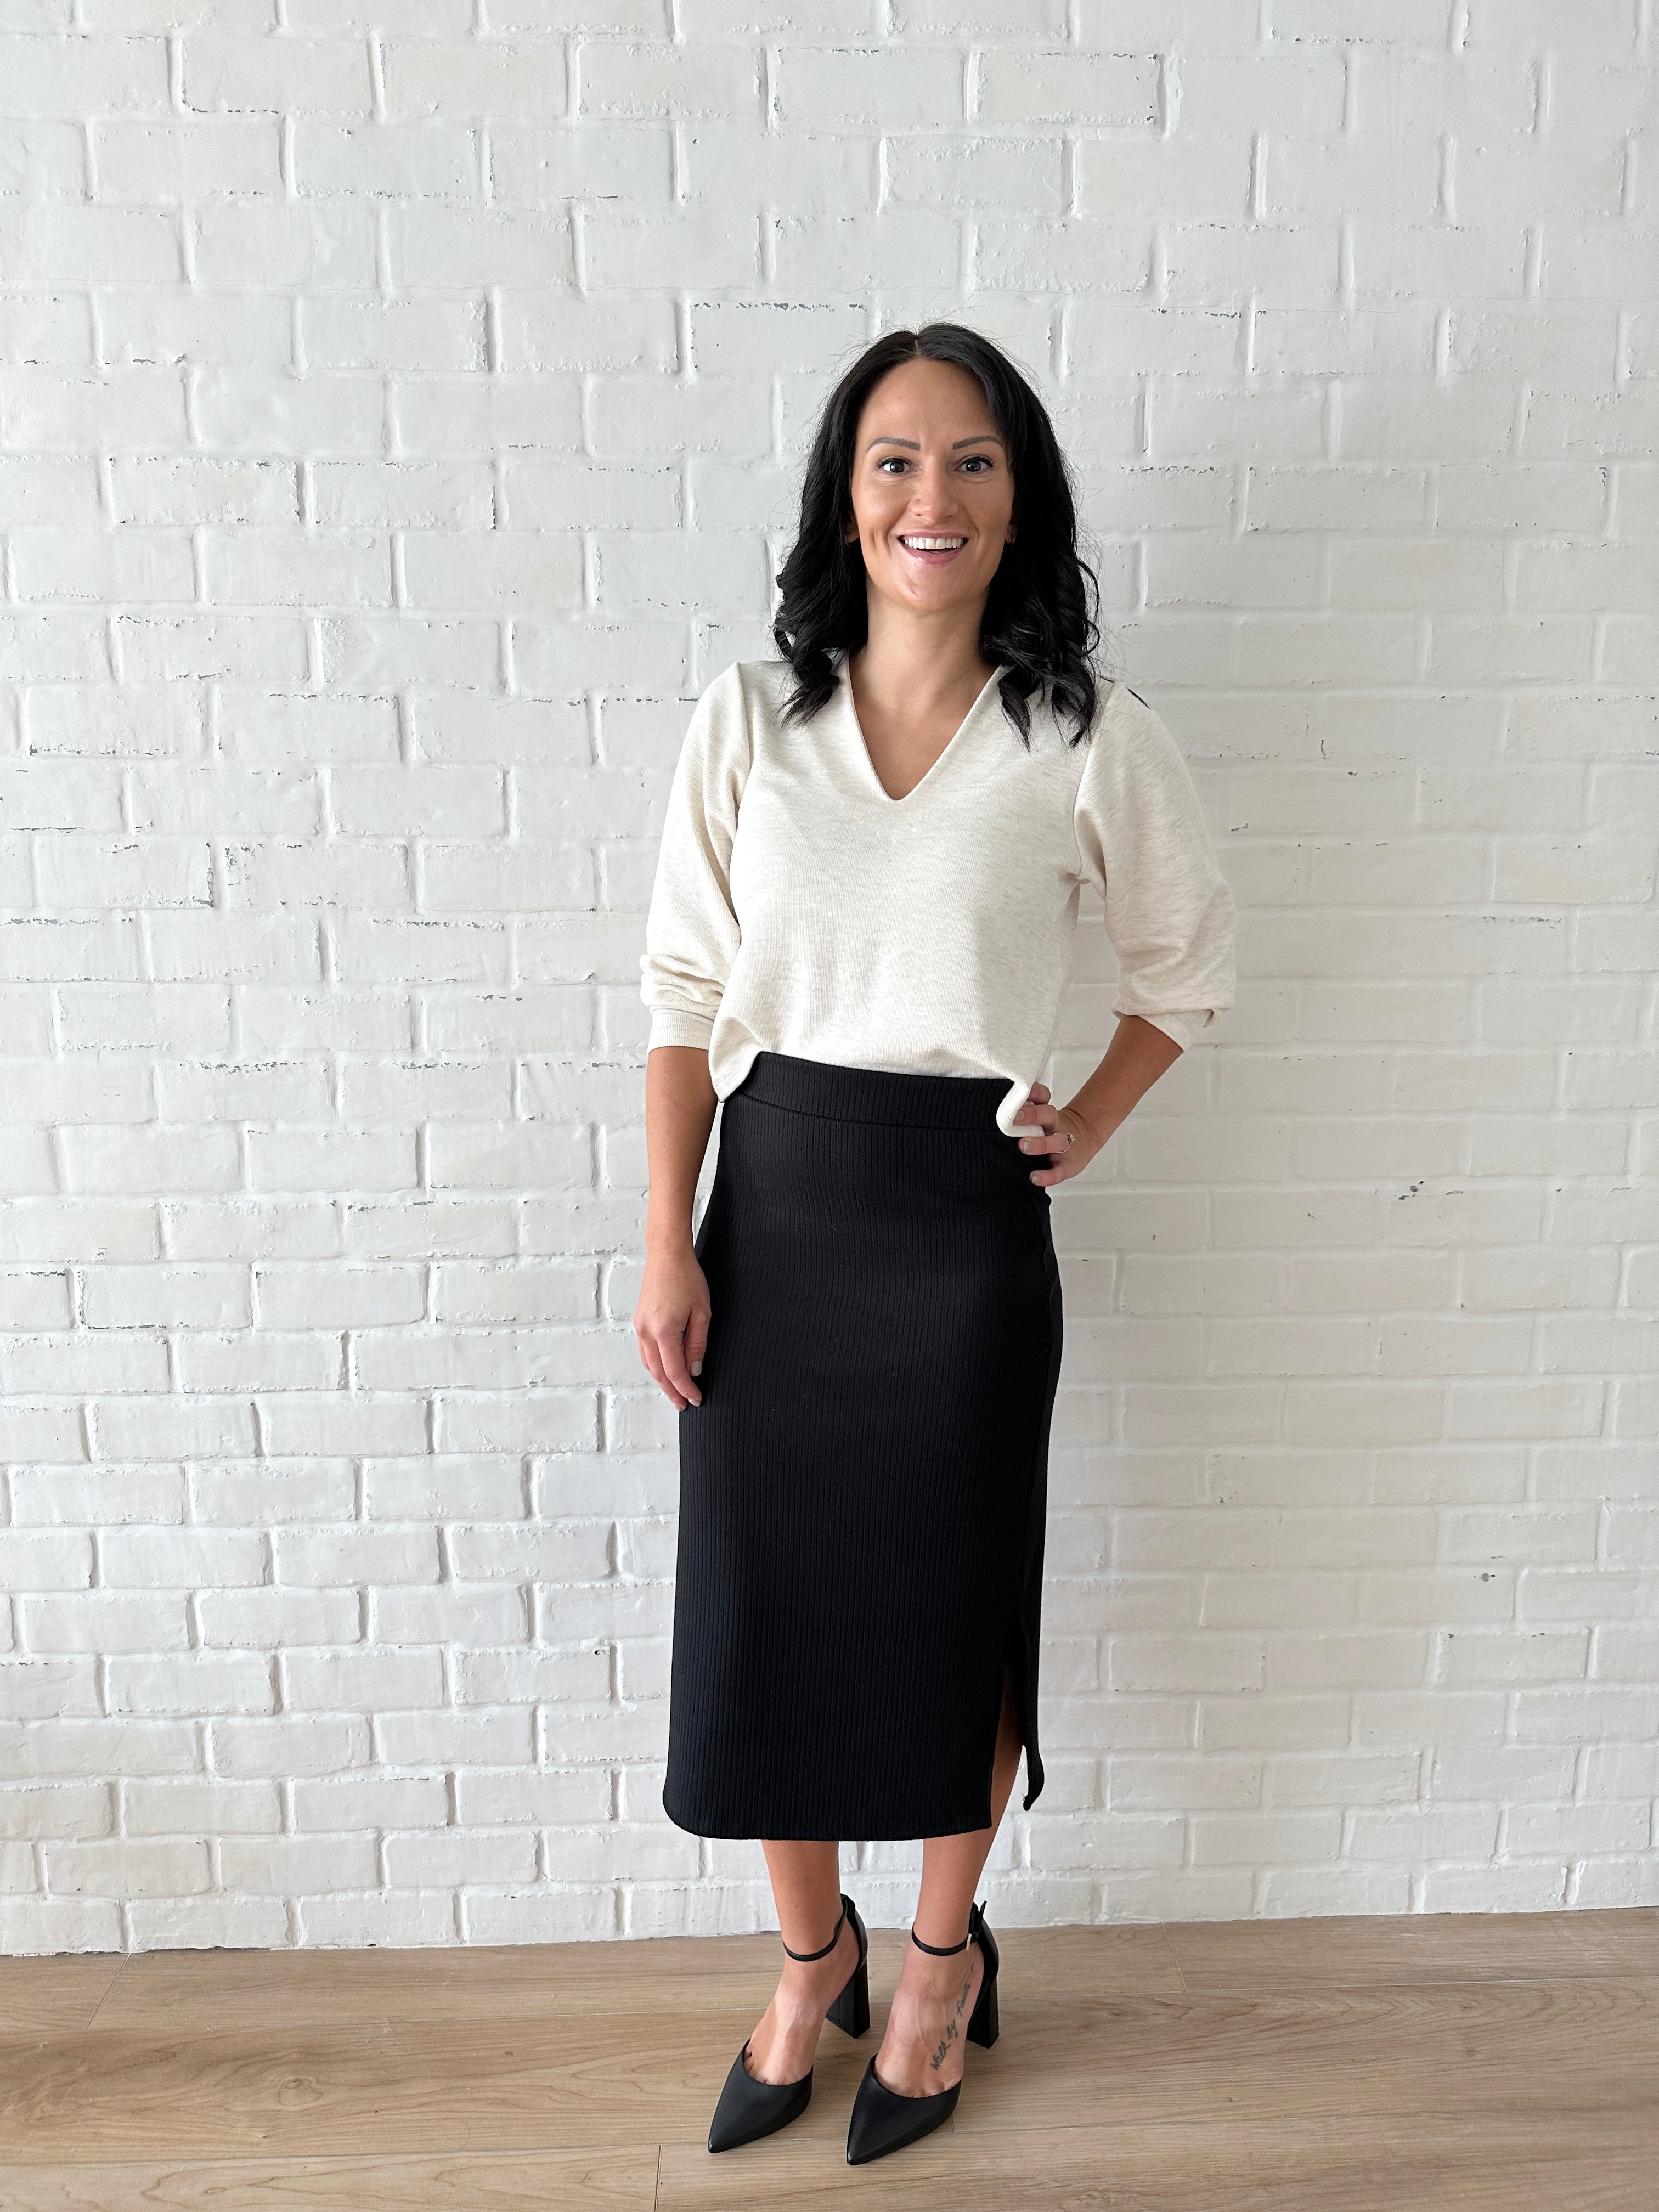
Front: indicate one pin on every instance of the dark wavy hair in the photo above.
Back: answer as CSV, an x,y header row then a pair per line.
x,y
1039,616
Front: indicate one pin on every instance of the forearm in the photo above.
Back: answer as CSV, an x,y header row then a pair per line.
x,y
679,1113
1139,1053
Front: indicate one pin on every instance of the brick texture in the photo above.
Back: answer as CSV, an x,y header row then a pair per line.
x,y
399,423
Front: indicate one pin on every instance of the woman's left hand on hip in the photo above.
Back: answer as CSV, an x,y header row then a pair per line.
x,y
1061,1133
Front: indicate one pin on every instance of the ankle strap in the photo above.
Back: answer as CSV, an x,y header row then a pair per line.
x,y
828,1947
950,1950
941,1950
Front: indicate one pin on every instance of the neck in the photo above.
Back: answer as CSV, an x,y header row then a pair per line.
x,y
921,662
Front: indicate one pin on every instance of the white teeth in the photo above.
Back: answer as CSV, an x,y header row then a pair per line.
x,y
934,544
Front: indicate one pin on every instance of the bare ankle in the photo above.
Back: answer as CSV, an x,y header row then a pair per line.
x,y
810,1986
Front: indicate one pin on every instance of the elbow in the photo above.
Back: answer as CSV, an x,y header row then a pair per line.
x,y
1183,1025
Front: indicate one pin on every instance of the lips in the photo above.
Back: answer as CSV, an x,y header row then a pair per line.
x,y
933,547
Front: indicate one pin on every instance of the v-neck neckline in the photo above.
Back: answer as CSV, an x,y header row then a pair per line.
x,y
844,680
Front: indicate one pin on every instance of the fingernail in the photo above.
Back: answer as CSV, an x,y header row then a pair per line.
x,y
697,1367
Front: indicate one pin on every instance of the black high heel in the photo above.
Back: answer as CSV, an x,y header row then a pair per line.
x,y
882,2120
748,2109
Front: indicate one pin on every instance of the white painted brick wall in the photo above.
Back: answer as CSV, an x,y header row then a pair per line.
x,y
399,410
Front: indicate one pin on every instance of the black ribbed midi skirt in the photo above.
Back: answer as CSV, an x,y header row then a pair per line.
x,y
864,1488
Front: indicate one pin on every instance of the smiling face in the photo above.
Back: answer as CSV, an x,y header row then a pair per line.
x,y
932,494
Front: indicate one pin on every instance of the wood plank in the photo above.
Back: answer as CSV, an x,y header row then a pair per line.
x,y
1506,2051
39,1995
380,2088
1417,1947
192,1991
1357,2165
1130,1959
574,2181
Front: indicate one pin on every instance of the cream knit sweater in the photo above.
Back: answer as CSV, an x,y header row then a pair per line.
x,y
799,909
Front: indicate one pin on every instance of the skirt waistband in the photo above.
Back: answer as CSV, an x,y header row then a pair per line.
x,y
873,1094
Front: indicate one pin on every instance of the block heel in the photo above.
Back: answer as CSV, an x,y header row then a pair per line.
x,y
984,2027
850,2012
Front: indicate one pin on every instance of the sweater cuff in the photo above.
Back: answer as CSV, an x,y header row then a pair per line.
x,y
673,1025
1186,1025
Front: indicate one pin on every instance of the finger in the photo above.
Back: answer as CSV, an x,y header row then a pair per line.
x,y
697,1345
653,1358
1043,1137
1062,1164
677,1356
1036,1095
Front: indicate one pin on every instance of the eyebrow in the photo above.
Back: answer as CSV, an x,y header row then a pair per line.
x,y
914,443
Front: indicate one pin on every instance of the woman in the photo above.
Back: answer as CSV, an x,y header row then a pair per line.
x,y
859,934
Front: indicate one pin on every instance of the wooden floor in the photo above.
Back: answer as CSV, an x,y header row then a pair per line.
x,y
1395,2065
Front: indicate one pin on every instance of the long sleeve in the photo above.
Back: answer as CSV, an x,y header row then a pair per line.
x,y
691,931
1143,843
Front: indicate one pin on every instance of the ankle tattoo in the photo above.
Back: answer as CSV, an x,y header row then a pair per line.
x,y
950,2034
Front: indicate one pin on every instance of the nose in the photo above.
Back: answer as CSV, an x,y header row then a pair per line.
x,y
932,489
933,508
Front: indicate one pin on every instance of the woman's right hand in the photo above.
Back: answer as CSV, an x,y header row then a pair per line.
x,y
670,1321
